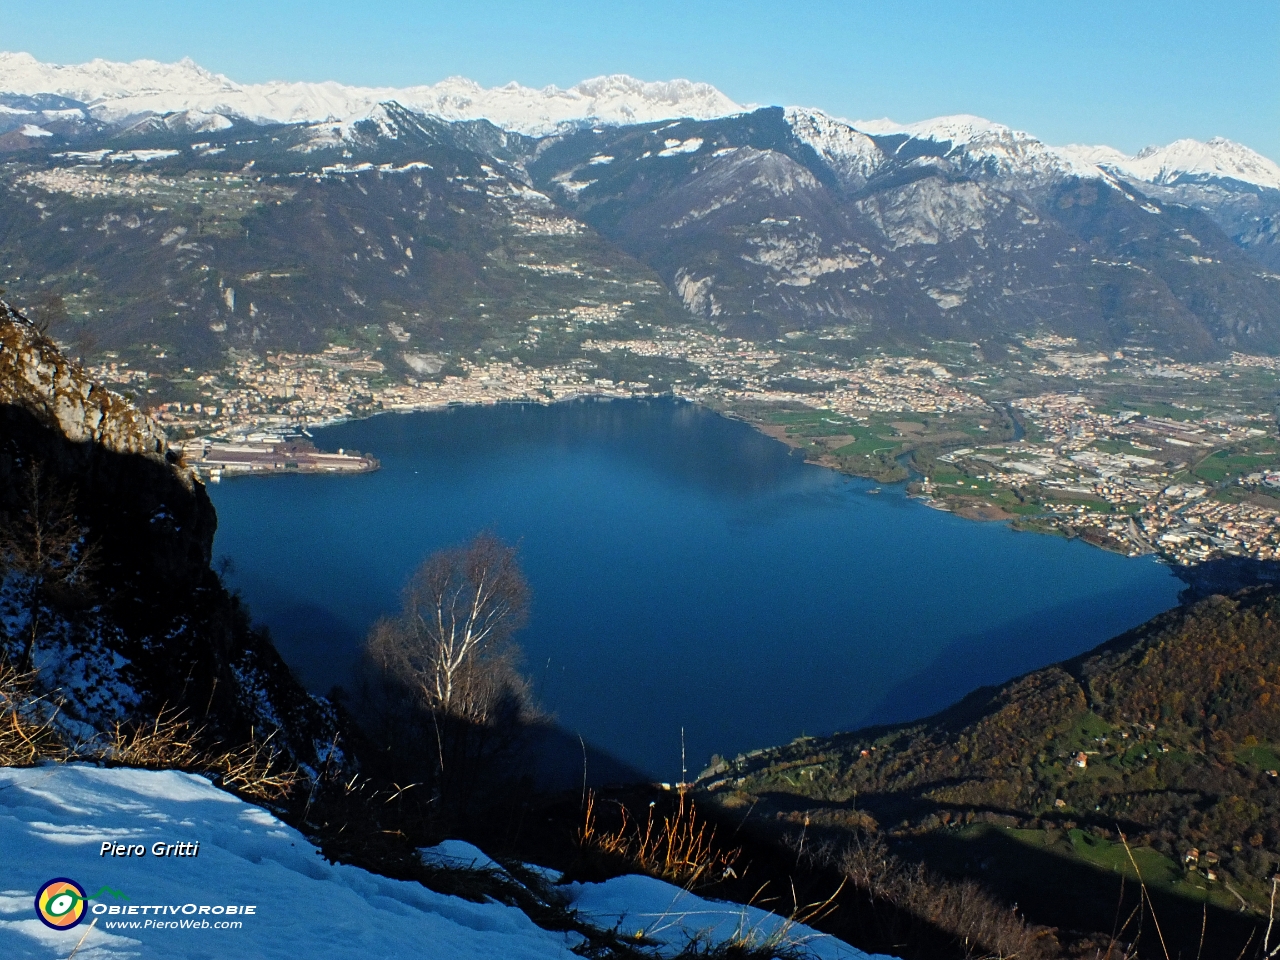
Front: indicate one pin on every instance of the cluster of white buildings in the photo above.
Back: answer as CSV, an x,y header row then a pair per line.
x,y
738,371
1113,474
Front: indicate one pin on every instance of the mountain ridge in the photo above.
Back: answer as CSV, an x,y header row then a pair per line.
x,y
116,90
765,224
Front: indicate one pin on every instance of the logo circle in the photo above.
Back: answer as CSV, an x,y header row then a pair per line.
x,y
60,903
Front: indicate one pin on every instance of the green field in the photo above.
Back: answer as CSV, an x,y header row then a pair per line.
x,y
1158,872
1225,463
1262,756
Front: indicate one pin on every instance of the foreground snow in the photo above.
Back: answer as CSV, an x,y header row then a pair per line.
x,y
55,819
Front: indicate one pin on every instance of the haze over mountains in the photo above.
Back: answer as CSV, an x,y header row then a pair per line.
x,y
757,221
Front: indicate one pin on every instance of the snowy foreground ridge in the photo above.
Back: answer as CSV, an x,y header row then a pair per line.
x,y
55,819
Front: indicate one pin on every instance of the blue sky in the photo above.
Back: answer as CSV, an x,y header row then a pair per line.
x,y
1124,73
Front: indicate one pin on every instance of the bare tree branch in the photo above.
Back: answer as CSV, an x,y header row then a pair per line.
x,y
47,550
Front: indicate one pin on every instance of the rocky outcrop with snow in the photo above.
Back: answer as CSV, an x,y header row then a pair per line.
x,y
849,152
153,628
981,147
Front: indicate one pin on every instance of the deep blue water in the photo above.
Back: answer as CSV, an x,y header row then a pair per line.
x,y
686,571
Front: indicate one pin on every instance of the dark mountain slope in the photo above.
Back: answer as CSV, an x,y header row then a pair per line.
x,y
150,627
1169,734
899,237
759,224
1247,213
290,237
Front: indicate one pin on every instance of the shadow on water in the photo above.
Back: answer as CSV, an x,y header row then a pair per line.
x,y
1001,653
318,644
1226,575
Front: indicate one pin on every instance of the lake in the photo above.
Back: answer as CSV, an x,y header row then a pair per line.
x,y
686,572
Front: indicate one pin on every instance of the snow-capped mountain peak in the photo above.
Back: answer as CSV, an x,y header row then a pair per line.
x,y
677,93
1101,156
1220,158
105,79
982,145
959,129
116,91
1187,161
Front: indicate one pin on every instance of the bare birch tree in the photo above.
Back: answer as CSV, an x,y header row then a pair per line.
x,y
439,685
451,644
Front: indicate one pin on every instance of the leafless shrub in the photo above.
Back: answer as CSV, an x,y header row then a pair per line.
x,y
439,686
451,644
982,925
48,312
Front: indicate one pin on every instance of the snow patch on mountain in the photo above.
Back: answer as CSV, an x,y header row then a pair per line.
x,y
852,155
117,91
673,148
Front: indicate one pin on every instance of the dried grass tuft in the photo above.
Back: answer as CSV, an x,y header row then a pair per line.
x,y
171,742
27,735
681,848
258,769
167,742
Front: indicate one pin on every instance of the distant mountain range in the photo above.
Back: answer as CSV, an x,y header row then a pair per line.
x,y
115,92
757,221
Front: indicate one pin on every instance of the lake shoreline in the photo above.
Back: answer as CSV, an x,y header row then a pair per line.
x,y
965,508
679,561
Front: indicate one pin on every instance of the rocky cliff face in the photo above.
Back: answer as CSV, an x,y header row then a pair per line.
x,y
154,628
35,375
